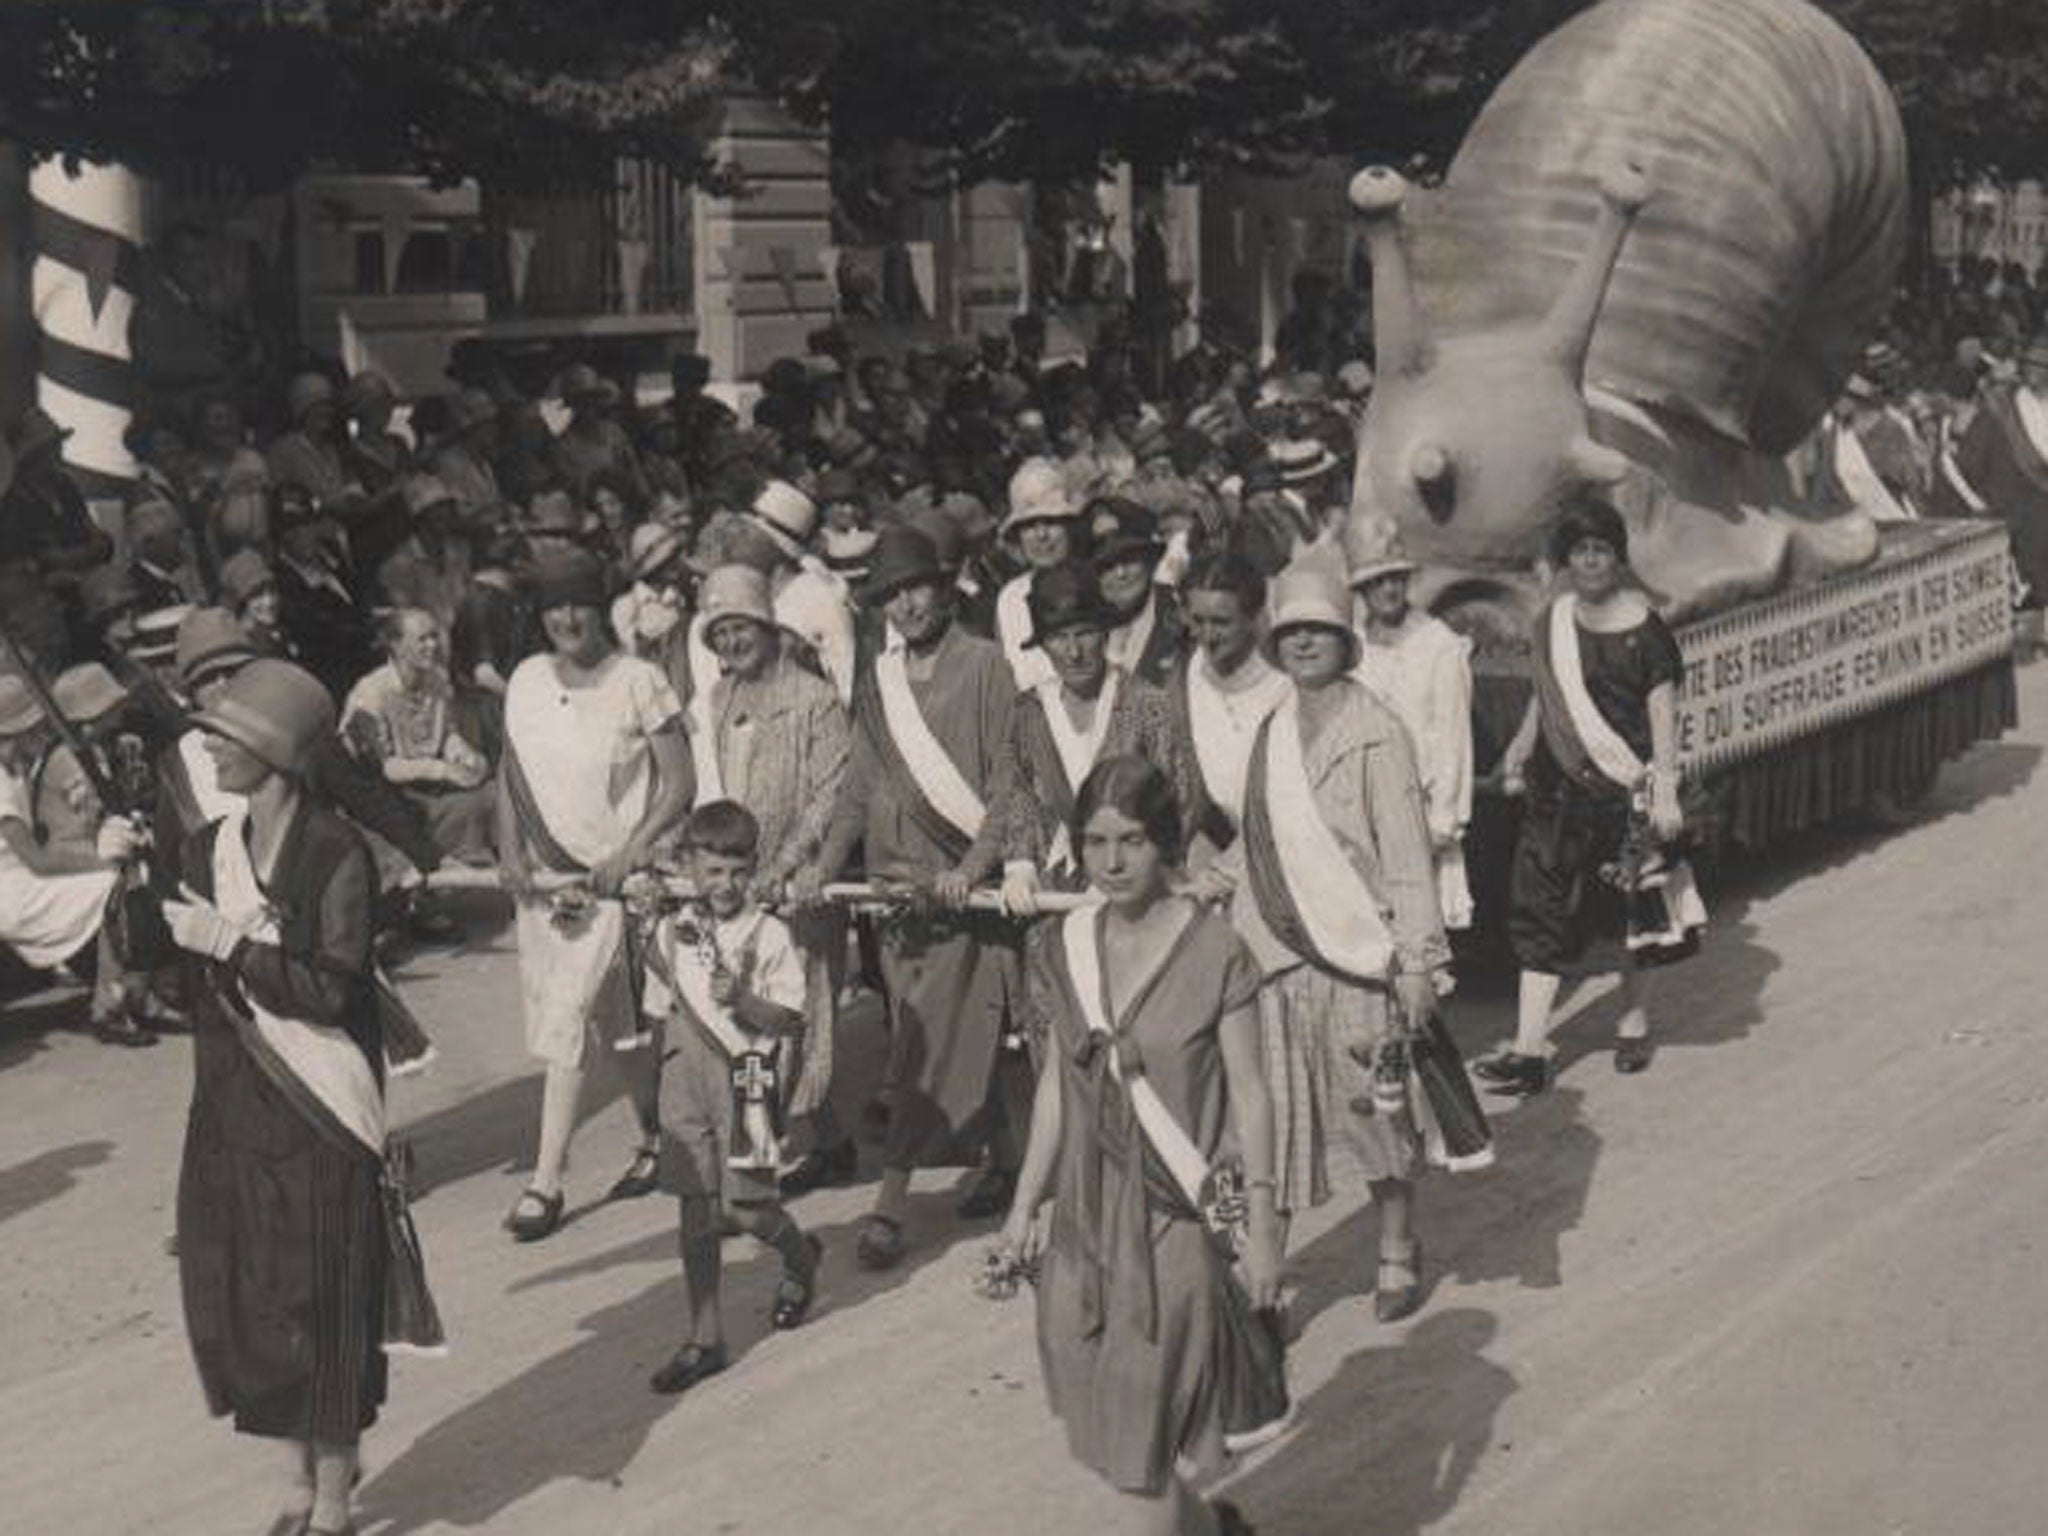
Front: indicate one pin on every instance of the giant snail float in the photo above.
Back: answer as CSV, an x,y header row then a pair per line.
x,y
1653,263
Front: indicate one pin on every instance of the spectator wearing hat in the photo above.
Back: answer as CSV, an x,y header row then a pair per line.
x,y
495,627
1876,455
1091,710
652,616
1333,888
1223,692
1310,470
161,567
427,737
1044,523
248,590
461,458
1422,669
2000,469
773,736
847,539
309,453
67,807
283,1251
43,517
1149,635
595,771
230,481
925,798
774,536
373,454
591,442
430,566
54,900
321,611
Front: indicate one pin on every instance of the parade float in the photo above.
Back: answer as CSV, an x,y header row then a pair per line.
x,y
1652,265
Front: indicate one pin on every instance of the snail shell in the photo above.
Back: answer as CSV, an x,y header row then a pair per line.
x,y
1769,249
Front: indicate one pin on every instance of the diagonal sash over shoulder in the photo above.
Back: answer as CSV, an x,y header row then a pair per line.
x,y
926,779
1304,886
704,747
1077,752
533,826
1580,737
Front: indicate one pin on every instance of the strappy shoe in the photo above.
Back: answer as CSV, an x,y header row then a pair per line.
x,y
1512,1075
794,1296
1397,1292
1632,1054
688,1366
535,1216
642,1176
880,1245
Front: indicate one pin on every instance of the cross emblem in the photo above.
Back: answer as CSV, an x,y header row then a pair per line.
x,y
753,1077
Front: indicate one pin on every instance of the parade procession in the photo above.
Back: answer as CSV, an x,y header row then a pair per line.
x,y
1147,767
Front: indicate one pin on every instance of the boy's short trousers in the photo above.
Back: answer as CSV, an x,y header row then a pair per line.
x,y
696,1125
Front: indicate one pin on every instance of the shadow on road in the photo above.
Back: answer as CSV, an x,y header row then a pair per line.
x,y
46,1176
33,1011
1385,1448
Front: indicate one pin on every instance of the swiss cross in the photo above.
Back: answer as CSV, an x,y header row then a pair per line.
x,y
752,1077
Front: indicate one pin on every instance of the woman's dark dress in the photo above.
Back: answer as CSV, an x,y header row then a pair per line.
x,y
1564,920
281,1246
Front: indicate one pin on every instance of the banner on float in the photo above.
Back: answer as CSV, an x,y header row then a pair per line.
x,y
1935,605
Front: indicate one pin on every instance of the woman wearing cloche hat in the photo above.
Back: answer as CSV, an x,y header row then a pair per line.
x,y
1332,883
283,1249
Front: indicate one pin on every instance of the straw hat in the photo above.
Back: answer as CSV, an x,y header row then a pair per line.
x,y
156,635
1308,593
735,592
86,692
1372,549
1039,494
652,547
786,515
1302,460
846,550
211,640
20,710
280,712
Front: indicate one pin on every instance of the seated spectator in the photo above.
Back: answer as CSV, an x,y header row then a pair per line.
x,y
43,516
321,612
248,591
54,901
427,737
310,452
593,443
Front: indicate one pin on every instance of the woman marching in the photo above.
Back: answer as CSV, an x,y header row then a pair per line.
x,y
1152,1351
595,770
285,1229
1334,888
1593,889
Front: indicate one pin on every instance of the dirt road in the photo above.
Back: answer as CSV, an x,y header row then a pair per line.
x,y
1788,1283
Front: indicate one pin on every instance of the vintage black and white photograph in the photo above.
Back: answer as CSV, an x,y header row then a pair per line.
x,y
1023,767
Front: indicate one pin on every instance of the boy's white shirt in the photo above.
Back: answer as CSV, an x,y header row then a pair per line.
x,y
775,975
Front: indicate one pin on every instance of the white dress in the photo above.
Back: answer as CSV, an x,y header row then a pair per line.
x,y
45,919
1425,675
587,757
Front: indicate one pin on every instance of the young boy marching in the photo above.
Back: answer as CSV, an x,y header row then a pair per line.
x,y
731,986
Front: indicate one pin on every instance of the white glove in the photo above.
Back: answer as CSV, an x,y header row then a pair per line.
x,y
118,840
199,927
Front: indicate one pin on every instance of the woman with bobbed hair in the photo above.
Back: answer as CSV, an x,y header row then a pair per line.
x,y
1151,1348
1593,889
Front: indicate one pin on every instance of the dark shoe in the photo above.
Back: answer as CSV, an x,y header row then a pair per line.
x,y
794,1296
880,1245
152,1013
120,1029
820,1168
535,1216
688,1366
1632,1054
1398,1290
1230,1520
1514,1076
426,924
989,1197
642,1176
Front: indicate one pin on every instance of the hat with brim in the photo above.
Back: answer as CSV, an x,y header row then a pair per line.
x,y
904,557
278,711
211,641
87,692
735,592
1308,596
847,550
653,548
20,709
1372,549
1122,531
1860,389
243,575
1039,494
1064,597
1302,460
156,635
786,515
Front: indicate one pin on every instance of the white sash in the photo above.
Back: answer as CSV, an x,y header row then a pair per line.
x,y
704,750
1340,912
1077,750
1953,474
1609,753
2033,419
690,967
1861,481
937,775
1222,745
324,1059
1175,1147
